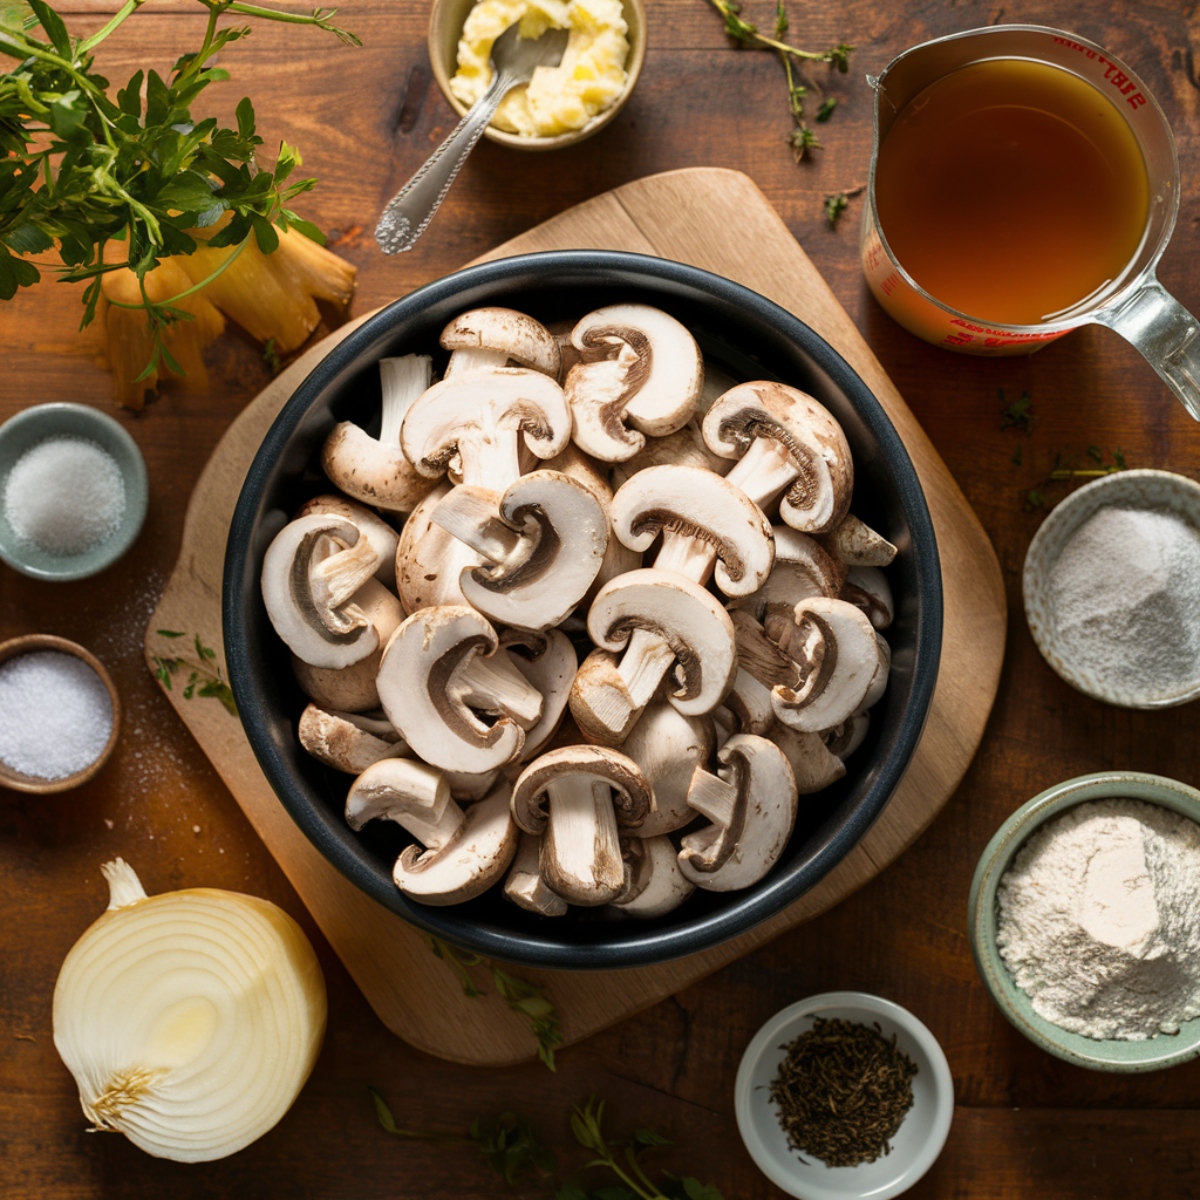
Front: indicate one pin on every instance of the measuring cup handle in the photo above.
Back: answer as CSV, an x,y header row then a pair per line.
x,y
1166,334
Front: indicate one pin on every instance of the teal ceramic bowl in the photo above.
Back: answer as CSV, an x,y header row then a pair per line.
x,y
37,424
1164,1050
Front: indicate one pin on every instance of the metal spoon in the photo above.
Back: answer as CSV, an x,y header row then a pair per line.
x,y
513,61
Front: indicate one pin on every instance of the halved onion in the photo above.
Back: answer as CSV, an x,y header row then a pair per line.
x,y
191,1019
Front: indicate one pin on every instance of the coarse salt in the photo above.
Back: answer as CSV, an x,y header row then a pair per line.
x,y
65,495
56,714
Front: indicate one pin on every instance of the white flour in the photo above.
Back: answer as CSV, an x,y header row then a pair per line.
x,y
1099,920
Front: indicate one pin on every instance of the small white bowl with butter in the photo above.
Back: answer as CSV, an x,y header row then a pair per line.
x,y
560,106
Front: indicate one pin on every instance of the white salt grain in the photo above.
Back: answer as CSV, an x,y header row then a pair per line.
x,y
65,495
55,714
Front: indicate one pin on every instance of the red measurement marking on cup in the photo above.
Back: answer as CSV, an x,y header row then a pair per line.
x,y
1112,73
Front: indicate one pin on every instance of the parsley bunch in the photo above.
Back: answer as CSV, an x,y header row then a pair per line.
x,y
81,167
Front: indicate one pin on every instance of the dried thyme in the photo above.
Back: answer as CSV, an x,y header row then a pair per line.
x,y
842,1092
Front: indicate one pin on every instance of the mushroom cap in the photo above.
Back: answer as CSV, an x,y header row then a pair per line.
x,y
505,331
820,496
631,803
685,616
842,740
855,543
727,857
382,537
370,472
868,588
814,765
683,448
525,886
548,661
429,560
418,691
564,538
470,863
843,662
503,399
693,502
394,788
348,741
656,884
318,625
802,569
668,746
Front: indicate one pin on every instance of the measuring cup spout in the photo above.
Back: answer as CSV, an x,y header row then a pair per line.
x,y
1167,335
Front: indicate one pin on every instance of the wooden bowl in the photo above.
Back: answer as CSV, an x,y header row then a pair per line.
x,y
446,20
18,780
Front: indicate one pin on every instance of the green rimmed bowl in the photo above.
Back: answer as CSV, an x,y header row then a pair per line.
x,y
1107,1054
45,421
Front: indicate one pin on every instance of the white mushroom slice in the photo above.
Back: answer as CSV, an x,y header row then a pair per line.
x,y
542,545
480,418
750,701
430,561
461,854
668,747
352,689
656,885
576,798
525,886
708,527
659,619
683,448
858,545
560,331
882,671
842,740
467,787
839,657
802,569
651,377
381,536
814,765
438,668
348,741
788,444
751,802
867,588
492,337
310,573
375,470
725,724
548,661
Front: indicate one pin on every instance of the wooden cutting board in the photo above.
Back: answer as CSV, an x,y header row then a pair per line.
x,y
683,215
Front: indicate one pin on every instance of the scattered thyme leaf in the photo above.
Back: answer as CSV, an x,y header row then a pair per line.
x,y
459,960
170,633
836,203
1018,414
271,357
530,1001
826,109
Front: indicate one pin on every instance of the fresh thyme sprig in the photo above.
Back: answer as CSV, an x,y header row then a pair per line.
x,y
802,138
109,180
204,677
836,203
528,1000
1018,414
1070,467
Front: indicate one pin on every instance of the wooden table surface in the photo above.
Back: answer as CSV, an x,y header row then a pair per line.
x,y
1026,1126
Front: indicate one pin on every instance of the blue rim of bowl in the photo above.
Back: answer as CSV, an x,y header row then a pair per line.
x,y
981,918
547,949
870,1007
49,420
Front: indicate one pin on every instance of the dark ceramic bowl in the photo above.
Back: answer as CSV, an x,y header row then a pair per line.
x,y
750,338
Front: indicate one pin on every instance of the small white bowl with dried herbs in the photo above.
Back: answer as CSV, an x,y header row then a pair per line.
x,y
809,1056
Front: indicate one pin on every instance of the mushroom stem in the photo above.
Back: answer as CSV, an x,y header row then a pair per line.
x,y
490,455
713,797
689,556
410,793
646,660
465,360
402,381
336,571
471,515
581,851
764,471
434,828
495,685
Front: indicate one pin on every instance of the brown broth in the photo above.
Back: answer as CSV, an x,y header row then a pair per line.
x,y
1011,190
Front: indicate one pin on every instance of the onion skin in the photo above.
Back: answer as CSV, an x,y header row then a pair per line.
x,y
190,1020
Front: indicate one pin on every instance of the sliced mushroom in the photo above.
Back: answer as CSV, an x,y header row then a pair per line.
x,y
751,804
310,573
840,661
867,588
668,747
857,544
683,448
429,561
439,673
480,418
525,886
654,884
382,537
842,740
346,741
576,798
548,661
814,765
659,619
802,569
640,365
542,545
353,689
375,470
750,701
485,338
461,854
788,445
725,724
708,527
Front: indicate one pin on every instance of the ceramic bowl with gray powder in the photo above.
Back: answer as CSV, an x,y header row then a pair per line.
x,y
1112,589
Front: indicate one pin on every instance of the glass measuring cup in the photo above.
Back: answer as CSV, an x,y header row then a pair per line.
x,y
1134,304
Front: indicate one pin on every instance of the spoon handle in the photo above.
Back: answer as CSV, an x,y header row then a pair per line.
x,y
412,208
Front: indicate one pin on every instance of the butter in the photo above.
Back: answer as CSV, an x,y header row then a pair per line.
x,y
558,99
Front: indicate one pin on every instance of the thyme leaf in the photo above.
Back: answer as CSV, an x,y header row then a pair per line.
x,y
204,677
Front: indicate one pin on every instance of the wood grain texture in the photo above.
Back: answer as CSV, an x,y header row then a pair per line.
x,y
1026,1125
